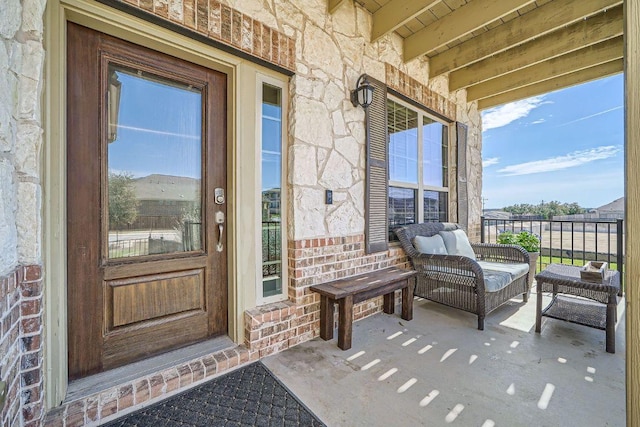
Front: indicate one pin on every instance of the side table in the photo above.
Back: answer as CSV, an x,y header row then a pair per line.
x,y
565,279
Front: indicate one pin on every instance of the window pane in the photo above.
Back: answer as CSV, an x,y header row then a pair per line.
x,y
271,185
435,206
434,152
154,164
402,125
402,208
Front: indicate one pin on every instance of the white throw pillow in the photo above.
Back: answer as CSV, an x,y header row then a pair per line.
x,y
457,243
433,245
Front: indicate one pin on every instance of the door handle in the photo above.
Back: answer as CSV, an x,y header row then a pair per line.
x,y
219,246
220,222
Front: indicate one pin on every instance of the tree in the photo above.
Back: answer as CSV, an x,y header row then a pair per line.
x,y
545,209
123,203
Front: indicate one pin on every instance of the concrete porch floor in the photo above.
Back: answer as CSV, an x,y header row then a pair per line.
x,y
439,370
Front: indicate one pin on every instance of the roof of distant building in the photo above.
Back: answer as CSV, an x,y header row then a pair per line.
x,y
615,206
167,187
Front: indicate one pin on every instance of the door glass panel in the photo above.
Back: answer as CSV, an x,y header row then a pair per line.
x,y
154,164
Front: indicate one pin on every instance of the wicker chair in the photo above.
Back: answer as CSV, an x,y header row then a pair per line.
x,y
458,281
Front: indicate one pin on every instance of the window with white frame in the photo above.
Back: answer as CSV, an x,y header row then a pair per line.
x,y
418,166
271,132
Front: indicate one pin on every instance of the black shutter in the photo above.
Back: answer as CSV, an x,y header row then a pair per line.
x,y
376,191
463,194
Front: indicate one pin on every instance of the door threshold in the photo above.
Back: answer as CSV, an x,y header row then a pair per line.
x,y
83,387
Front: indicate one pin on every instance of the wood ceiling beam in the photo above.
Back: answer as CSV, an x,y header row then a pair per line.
x,y
575,61
542,20
335,4
460,22
577,36
557,83
397,13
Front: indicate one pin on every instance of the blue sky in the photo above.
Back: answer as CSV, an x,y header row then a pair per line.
x,y
158,129
565,145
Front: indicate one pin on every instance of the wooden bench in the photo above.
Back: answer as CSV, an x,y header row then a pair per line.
x,y
352,290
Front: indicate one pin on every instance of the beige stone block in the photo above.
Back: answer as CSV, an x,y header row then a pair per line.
x,y
313,10
303,165
350,149
32,59
344,220
337,172
308,87
10,11
312,123
356,193
334,95
352,49
344,20
8,231
308,212
29,102
32,16
374,68
339,125
320,51
290,15
364,21
29,222
27,149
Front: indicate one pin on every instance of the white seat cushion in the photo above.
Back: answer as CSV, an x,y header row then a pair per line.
x,y
433,245
457,243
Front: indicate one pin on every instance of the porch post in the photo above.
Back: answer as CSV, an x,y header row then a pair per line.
x,y
632,208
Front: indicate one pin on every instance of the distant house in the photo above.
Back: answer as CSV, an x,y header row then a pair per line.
x,y
164,200
613,210
496,214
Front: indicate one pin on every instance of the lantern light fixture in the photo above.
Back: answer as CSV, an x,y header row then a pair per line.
x,y
362,95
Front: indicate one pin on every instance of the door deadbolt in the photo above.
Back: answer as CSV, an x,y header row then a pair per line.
x,y
218,196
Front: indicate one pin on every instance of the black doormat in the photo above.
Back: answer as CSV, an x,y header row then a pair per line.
x,y
249,396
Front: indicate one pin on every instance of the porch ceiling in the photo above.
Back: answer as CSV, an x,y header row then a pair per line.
x,y
505,50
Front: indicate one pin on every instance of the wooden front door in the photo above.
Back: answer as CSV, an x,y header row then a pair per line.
x,y
146,208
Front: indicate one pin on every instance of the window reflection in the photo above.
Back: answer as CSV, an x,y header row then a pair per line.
x,y
402,208
271,190
434,152
435,206
154,165
403,143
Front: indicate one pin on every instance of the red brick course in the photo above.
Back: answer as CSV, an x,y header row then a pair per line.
x,y
224,24
275,327
104,406
20,346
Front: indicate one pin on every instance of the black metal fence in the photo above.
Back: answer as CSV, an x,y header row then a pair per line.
x,y
271,248
572,242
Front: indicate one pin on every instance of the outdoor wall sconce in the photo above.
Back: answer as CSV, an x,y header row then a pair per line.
x,y
362,95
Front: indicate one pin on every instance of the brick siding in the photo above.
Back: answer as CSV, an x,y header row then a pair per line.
x,y
274,327
226,25
21,346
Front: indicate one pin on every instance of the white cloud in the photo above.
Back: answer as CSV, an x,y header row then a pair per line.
x,y
536,122
490,161
503,115
570,160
